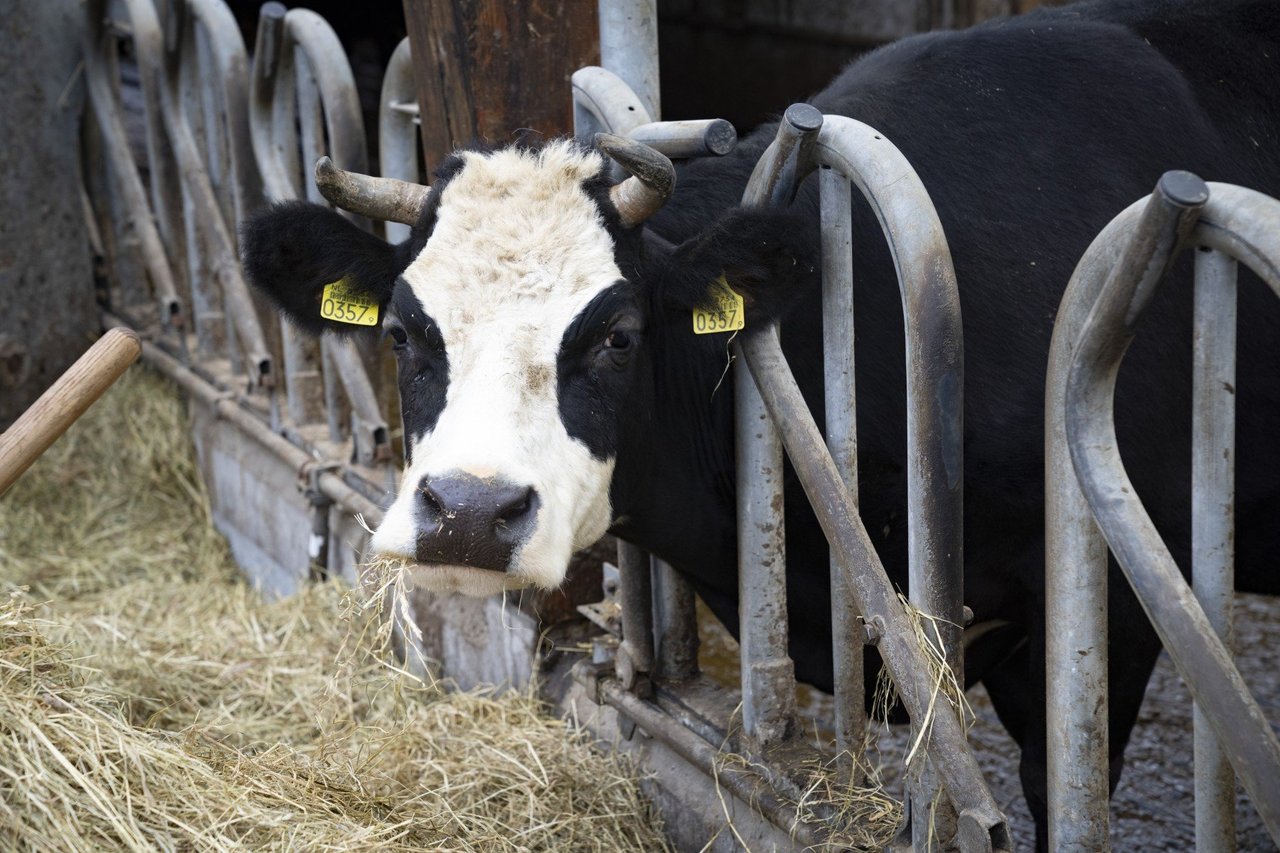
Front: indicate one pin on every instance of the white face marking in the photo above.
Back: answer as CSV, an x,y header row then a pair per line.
x,y
518,250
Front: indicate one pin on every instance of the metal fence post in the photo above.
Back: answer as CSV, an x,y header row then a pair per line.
x,y
1213,518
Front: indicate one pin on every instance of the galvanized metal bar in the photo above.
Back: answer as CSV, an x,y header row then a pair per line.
x,y
675,624
199,197
230,64
1238,222
743,783
230,406
935,397
1197,651
299,56
768,673
693,138
273,117
981,824
635,653
398,136
1076,698
1213,519
629,47
836,200
139,227
603,101
164,170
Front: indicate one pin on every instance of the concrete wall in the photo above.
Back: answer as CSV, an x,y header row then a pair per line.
x,y
47,307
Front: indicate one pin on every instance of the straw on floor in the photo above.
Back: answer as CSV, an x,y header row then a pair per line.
x,y
149,699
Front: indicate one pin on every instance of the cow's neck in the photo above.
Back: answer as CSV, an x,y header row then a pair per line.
x,y
673,483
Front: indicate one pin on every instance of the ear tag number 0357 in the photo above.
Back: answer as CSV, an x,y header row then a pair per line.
x,y
341,303
725,314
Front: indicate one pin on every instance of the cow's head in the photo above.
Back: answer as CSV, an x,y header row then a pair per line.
x,y
520,319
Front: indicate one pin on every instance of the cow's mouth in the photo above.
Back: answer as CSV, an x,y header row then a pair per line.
x,y
433,576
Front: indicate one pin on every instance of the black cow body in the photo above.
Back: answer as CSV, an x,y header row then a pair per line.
x,y
1029,134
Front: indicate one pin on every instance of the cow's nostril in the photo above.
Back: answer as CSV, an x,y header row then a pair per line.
x,y
516,507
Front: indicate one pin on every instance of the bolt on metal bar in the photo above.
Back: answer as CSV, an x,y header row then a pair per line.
x,y
1213,518
1249,223
1213,509
836,201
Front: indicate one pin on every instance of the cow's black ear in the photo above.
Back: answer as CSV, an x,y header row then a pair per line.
x,y
292,250
764,255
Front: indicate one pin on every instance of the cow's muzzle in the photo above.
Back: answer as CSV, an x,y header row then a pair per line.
x,y
464,520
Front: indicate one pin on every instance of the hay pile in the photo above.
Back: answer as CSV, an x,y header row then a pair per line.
x,y
149,699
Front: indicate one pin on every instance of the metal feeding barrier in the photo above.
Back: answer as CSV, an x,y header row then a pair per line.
x,y
659,634
221,138
1091,504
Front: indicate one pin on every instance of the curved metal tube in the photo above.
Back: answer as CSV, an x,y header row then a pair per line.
x,y
398,137
1253,222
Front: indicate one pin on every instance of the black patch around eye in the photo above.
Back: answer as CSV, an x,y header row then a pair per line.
x,y
422,365
592,376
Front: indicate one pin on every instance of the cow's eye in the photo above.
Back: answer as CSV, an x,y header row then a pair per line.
x,y
399,336
618,341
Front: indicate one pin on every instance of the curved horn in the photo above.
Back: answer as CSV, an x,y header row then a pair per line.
x,y
378,198
651,182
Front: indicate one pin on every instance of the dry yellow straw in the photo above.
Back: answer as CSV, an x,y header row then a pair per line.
x,y
150,700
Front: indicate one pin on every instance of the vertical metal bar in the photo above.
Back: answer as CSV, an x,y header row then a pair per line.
x,y
675,624
768,675
397,136
1213,518
635,653
842,440
1076,698
629,47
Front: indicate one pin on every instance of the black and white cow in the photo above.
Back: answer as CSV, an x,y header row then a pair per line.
x,y
553,390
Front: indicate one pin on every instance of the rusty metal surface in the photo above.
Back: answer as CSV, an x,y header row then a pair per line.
x,y
1246,225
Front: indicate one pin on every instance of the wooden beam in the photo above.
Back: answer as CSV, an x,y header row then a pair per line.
x,y
485,69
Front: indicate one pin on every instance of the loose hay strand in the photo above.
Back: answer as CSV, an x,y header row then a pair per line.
x,y
149,699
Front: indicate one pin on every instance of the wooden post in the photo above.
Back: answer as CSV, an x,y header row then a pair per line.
x,y
485,69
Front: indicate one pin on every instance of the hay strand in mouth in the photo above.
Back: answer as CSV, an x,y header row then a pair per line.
x,y
150,699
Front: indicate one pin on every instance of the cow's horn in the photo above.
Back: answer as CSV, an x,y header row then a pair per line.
x,y
651,182
378,198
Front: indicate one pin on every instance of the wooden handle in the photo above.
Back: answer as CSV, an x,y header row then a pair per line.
x,y
67,399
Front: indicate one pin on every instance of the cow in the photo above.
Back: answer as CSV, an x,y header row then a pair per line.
x,y
552,389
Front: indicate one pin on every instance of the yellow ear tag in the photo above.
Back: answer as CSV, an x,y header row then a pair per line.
x,y
727,312
343,304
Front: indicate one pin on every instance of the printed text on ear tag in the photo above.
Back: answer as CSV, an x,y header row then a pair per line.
x,y
343,304
725,314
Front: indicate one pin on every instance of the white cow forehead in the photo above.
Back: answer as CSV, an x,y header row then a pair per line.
x,y
515,236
